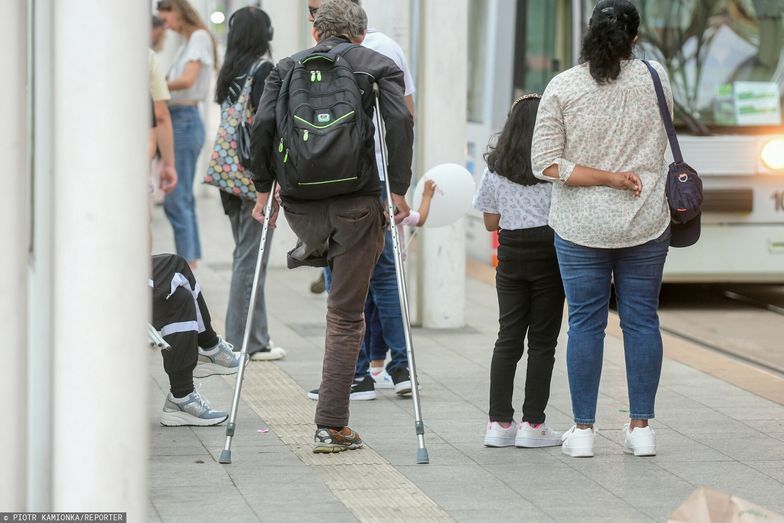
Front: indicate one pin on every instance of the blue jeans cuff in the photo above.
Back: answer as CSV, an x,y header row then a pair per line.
x,y
584,421
641,416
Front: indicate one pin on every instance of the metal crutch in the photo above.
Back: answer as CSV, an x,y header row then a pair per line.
x,y
225,455
422,456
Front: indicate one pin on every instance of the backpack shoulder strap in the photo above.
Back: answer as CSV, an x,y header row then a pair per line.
x,y
664,110
343,48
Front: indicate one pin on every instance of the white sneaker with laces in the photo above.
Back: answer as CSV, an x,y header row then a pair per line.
x,y
382,378
578,443
535,436
270,353
640,441
498,436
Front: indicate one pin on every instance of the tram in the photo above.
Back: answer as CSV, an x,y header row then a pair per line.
x,y
725,60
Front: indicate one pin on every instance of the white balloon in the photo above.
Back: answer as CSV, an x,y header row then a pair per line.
x,y
454,194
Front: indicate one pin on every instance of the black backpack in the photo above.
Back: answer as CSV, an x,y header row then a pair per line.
x,y
323,130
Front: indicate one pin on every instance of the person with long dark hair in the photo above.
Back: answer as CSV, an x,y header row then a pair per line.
x,y
189,82
248,57
599,138
530,292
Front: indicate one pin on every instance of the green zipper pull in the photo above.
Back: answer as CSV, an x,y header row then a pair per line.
x,y
286,158
318,75
313,76
280,147
305,136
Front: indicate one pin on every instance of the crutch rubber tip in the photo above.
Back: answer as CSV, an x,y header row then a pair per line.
x,y
225,457
422,457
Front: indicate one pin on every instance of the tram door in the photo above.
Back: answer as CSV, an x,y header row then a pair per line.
x,y
514,47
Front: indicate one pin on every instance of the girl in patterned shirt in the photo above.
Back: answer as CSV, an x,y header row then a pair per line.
x,y
528,283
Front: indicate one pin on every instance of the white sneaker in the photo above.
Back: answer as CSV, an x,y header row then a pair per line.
x,y
535,436
578,443
382,378
640,441
497,436
269,354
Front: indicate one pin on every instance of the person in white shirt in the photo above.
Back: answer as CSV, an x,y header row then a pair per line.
x,y
189,81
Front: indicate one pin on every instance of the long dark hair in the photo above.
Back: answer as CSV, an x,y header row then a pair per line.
x,y
249,38
510,157
610,38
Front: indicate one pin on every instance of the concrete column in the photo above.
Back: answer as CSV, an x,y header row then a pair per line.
x,y
441,138
101,266
392,19
39,348
290,22
14,248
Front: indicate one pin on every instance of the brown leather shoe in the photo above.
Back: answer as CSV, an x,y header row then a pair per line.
x,y
328,441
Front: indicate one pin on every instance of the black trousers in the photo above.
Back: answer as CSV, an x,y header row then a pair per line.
x,y
530,300
180,313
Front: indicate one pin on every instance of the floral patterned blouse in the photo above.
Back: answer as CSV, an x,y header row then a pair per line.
x,y
520,206
615,127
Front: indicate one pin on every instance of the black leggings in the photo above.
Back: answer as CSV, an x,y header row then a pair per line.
x,y
530,299
175,313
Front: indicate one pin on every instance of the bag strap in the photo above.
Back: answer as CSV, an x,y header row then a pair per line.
x,y
672,136
248,85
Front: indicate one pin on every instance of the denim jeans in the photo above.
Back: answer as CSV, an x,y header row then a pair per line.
x,y
587,275
530,302
374,336
247,237
179,205
383,292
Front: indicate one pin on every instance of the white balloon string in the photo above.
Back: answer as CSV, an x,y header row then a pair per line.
x,y
411,238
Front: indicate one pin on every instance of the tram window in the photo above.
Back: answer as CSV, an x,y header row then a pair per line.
x,y
542,43
725,60
477,58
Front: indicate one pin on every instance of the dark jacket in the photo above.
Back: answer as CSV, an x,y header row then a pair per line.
x,y
367,66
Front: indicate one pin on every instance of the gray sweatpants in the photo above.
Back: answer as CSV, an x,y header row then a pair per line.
x,y
247,236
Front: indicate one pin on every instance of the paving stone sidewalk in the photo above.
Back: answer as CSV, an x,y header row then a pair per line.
x,y
709,432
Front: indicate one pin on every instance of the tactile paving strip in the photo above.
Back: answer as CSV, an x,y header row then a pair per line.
x,y
366,483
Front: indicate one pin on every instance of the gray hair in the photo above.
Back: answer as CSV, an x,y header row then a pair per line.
x,y
340,18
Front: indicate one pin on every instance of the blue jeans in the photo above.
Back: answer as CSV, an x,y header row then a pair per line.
x,y
374,336
587,276
179,205
383,292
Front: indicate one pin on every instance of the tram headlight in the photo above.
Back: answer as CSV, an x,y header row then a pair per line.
x,y
772,154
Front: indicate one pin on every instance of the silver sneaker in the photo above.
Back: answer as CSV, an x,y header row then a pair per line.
x,y
192,410
220,359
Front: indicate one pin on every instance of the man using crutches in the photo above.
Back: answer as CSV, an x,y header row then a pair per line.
x,y
313,134
382,301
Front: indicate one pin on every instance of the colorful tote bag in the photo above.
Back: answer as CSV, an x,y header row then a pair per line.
x,y
225,170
